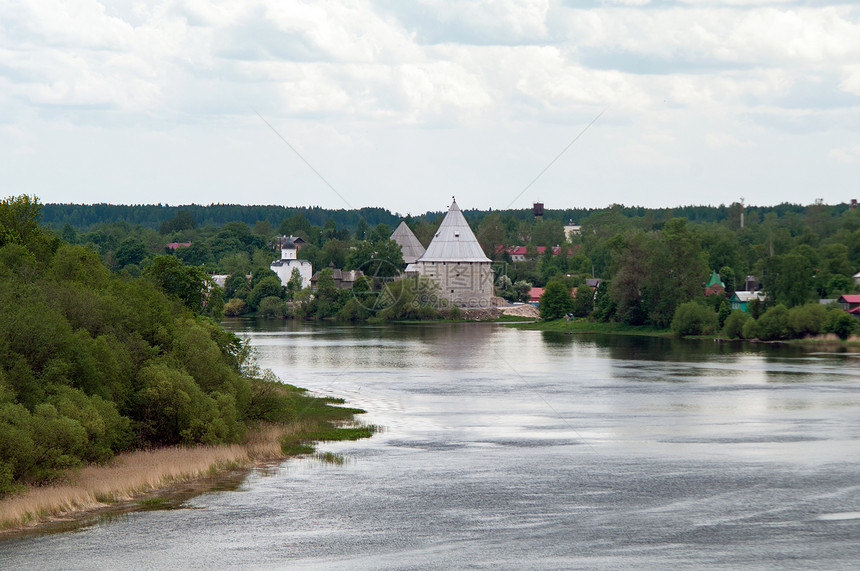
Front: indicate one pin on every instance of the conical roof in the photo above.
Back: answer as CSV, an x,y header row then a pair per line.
x,y
454,241
409,244
715,280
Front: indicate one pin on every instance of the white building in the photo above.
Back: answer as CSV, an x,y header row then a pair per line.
x,y
455,261
289,260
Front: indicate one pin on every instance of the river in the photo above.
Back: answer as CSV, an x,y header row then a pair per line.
x,y
521,449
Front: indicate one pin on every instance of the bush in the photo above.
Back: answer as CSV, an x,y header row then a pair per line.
x,y
692,318
806,319
235,307
272,307
266,287
773,324
750,329
841,323
556,301
734,325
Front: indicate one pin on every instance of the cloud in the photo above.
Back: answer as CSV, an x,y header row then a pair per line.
x,y
849,155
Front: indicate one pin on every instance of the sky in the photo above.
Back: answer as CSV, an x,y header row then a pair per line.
x,y
402,105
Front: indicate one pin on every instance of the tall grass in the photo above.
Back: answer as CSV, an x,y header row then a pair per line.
x,y
135,473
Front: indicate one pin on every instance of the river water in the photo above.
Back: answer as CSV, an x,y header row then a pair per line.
x,y
521,449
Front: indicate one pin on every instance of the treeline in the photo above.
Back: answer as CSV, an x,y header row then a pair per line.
x,y
94,362
85,217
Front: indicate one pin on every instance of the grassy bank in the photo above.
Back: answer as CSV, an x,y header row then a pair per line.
x,y
585,326
134,474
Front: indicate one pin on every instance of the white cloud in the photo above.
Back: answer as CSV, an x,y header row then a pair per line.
x,y
849,155
731,78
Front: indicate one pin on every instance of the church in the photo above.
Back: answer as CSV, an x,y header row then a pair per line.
x,y
455,261
289,261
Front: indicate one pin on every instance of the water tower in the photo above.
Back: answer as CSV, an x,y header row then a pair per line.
x,y
538,210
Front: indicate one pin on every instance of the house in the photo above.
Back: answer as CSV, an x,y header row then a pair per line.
x,y
740,299
534,295
857,278
850,302
518,253
571,229
715,285
343,279
409,244
593,283
289,261
280,241
173,245
455,261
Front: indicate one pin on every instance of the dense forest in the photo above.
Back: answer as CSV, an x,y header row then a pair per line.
x,y
93,362
650,261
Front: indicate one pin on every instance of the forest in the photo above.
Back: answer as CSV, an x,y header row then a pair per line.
x,y
650,261
94,362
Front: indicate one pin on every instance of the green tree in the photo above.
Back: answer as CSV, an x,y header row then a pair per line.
x,y
269,286
734,325
583,303
773,324
130,251
382,259
187,283
556,301
693,318
788,279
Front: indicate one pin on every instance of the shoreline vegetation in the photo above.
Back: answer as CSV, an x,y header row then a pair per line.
x,y
141,479
586,327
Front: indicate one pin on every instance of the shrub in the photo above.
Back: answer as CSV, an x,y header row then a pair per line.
x,y
556,301
272,307
750,329
773,324
235,307
692,318
806,319
734,325
840,323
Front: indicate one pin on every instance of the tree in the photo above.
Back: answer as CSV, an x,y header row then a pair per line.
x,y
382,259
556,301
693,318
734,325
841,323
788,279
773,324
294,284
130,251
189,284
583,303
269,286
182,221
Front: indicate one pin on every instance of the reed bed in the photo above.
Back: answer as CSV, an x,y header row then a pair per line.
x,y
132,474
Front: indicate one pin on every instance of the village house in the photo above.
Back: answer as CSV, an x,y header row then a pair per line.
x,y
715,285
343,279
518,253
850,303
740,299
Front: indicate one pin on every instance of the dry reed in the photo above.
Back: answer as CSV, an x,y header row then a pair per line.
x,y
132,474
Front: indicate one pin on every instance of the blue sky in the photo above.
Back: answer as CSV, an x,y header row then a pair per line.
x,y
404,104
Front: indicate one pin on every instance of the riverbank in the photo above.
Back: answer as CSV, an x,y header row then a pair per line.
x,y
147,475
584,326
